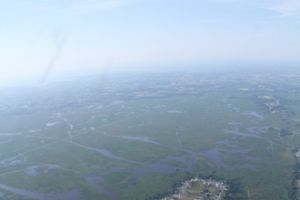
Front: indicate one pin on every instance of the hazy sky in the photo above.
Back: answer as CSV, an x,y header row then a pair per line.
x,y
41,36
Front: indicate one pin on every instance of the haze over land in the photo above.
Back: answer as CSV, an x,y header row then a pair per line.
x,y
149,99
211,135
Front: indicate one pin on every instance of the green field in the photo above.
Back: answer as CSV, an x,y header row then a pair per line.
x,y
139,140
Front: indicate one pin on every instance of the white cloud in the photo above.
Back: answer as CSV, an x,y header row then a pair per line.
x,y
282,7
287,7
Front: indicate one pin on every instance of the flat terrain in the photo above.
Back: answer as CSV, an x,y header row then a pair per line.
x,y
139,136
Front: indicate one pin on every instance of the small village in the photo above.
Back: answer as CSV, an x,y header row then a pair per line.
x,y
200,189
